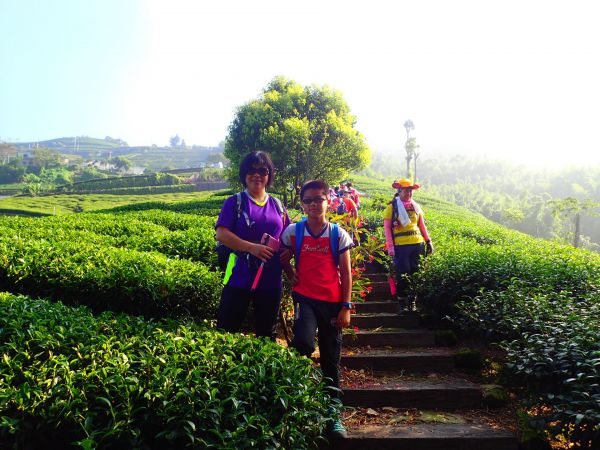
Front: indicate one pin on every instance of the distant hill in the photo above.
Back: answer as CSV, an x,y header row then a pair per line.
x,y
150,157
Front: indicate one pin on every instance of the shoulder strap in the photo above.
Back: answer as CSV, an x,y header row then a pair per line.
x,y
334,242
299,236
240,211
280,208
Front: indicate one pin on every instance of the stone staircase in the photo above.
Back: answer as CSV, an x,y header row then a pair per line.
x,y
408,372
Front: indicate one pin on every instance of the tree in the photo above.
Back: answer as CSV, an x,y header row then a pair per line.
x,y
308,131
43,158
175,141
569,206
409,145
121,163
7,151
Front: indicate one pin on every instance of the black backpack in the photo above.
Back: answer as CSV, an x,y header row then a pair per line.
x,y
223,251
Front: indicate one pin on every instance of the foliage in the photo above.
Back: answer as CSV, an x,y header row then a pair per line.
x,y
108,278
162,231
308,131
64,203
118,381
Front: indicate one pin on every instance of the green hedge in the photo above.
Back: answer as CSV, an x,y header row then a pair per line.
x,y
107,278
139,190
185,236
117,381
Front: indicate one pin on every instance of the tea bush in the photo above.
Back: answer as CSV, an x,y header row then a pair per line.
x,y
116,381
193,241
107,278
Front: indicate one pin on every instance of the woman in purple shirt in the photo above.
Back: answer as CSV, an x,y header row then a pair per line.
x,y
241,227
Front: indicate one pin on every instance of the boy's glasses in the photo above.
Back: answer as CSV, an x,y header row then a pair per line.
x,y
308,201
262,171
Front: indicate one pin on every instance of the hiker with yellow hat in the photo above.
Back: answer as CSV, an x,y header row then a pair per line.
x,y
406,236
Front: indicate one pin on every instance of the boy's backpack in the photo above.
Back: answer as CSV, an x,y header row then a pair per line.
x,y
334,241
341,207
223,251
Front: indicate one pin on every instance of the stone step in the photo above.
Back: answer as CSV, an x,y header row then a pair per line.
x,y
447,395
390,338
409,361
439,436
380,287
385,320
377,276
371,306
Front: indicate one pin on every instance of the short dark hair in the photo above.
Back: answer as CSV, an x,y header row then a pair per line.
x,y
314,184
348,184
253,159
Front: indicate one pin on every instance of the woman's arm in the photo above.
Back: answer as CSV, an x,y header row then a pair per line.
x,y
231,240
389,238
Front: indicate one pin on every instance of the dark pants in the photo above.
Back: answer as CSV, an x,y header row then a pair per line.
x,y
310,316
234,306
406,262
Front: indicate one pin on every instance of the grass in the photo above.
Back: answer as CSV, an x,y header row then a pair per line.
x,y
68,204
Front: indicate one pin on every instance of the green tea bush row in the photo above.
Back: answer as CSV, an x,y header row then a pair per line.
x,y
193,237
69,379
155,179
142,190
107,278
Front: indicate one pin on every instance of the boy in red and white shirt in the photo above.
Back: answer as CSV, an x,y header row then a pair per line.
x,y
322,288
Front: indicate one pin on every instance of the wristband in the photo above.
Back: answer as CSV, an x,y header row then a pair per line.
x,y
348,305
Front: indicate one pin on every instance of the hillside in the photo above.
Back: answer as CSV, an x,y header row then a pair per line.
x,y
150,157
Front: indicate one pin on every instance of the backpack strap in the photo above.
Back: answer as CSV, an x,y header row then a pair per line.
x,y
334,242
280,208
300,226
241,212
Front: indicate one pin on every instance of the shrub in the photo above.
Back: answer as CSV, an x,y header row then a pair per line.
x,y
107,278
116,381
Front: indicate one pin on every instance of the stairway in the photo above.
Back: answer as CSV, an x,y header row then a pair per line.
x,y
406,372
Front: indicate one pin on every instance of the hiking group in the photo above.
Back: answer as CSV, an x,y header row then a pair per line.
x,y
258,241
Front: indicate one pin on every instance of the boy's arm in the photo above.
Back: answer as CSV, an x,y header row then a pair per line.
x,y
346,278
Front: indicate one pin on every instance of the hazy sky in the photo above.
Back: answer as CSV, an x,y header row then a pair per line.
x,y
516,79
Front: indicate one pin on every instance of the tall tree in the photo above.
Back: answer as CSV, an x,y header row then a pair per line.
x,y
308,130
572,207
408,145
175,140
411,153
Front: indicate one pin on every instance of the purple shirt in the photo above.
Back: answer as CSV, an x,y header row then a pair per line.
x,y
263,219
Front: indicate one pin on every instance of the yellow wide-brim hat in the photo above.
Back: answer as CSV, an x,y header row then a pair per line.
x,y
405,183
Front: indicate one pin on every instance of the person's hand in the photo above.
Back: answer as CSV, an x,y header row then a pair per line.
x,y
262,252
343,318
429,248
391,251
295,279
285,255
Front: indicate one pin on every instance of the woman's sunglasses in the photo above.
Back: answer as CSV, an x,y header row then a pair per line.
x,y
262,171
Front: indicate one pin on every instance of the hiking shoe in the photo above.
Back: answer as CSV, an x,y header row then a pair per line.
x,y
338,430
402,305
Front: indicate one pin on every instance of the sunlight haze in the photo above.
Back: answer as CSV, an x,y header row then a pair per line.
x,y
511,80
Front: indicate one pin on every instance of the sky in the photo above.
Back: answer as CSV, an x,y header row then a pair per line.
x,y
516,80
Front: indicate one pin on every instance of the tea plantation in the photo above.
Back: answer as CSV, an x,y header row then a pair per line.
x,y
105,332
